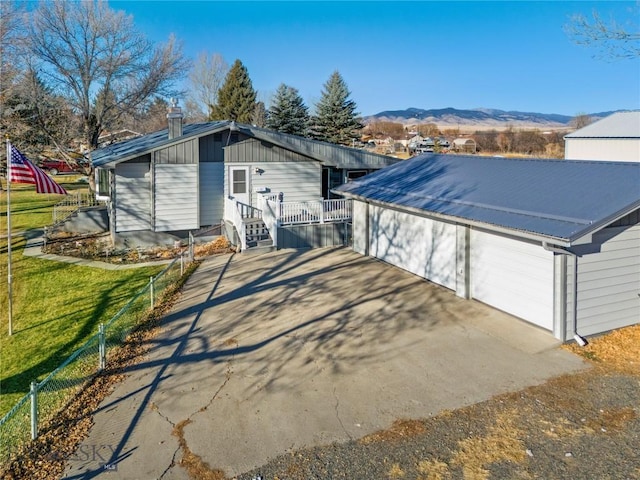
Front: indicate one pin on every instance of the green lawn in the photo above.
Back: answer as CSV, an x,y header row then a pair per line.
x,y
56,306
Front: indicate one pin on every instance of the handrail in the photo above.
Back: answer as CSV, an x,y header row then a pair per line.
x,y
232,212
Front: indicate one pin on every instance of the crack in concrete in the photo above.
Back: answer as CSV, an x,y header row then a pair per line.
x,y
338,414
194,465
171,464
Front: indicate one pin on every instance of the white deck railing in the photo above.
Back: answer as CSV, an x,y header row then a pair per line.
x,y
233,213
275,214
320,211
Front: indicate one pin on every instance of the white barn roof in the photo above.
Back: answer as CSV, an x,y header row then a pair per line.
x,y
618,125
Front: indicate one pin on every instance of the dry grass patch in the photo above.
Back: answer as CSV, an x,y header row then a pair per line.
x,y
218,246
400,429
433,470
618,349
396,471
501,444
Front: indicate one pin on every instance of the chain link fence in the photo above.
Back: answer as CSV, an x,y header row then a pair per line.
x,y
49,396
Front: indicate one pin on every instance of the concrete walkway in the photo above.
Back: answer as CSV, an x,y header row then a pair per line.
x,y
266,355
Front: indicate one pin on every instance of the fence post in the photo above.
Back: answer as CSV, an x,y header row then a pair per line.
x,y
191,242
34,410
151,292
321,211
102,350
181,263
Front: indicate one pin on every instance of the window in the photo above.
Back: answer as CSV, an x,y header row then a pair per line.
x,y
102,183
239,181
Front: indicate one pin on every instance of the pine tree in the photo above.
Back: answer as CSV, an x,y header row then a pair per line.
x,y
288,113
336,118
236,98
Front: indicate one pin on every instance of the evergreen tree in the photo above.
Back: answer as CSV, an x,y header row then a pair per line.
x,y
288,113
336,118
236,98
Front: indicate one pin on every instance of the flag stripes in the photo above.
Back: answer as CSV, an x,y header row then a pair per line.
x,y
23,171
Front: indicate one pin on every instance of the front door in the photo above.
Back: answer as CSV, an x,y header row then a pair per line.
x,y
239,184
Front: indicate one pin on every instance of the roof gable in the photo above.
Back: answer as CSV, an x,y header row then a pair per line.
x,y
560,199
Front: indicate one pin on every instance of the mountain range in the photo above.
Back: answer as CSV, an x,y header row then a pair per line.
x,y
477,117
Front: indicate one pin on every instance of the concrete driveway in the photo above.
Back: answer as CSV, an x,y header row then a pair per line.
x,y
265,355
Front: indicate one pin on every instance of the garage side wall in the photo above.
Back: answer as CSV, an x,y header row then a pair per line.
x,y
360,227
608,283
614,149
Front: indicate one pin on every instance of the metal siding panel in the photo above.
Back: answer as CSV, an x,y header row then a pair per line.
x,y
609,282
133,196
176,197
608,149
360,234
513,276
299,181
419,245
211,186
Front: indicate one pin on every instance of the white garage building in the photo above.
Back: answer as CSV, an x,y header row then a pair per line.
x,y
614,138
553,242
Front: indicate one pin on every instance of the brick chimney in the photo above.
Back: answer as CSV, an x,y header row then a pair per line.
x,y
174,118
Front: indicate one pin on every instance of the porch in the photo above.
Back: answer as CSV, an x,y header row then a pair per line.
x,y
259,226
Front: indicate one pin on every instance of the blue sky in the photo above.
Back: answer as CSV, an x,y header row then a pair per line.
x,y
396,55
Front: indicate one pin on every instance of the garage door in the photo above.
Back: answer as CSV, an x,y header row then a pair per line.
x,y
513,276
420,245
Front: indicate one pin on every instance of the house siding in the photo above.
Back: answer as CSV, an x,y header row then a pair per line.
x,y
211,186
176,202
180,153
133,195
298,181
608,283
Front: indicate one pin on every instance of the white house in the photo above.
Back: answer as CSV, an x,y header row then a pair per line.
x,y
553,242
613,138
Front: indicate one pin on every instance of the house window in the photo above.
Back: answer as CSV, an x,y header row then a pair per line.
x,y
239,181
102,183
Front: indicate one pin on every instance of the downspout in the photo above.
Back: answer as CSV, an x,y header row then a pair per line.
x,y
574,311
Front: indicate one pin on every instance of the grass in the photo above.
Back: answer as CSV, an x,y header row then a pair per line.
x,y
56,306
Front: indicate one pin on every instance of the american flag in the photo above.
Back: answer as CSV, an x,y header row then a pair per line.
x,y
23,171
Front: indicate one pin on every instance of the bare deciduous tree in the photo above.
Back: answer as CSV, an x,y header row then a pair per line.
x,y
611,38
94,56
206,77
581,120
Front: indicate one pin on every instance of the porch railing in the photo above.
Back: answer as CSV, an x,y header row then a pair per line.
x,y
232,212
268,206
320,211
72,203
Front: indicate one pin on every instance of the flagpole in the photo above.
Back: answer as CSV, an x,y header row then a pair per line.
x,y
9,276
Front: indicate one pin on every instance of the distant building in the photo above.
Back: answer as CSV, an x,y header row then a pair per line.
x,y
614,138
467,145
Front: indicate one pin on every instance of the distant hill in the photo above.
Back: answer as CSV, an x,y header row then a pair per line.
x,y
477,117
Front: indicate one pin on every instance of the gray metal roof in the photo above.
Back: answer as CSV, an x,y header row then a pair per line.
x,y
327,153
128,149
617,125
561,200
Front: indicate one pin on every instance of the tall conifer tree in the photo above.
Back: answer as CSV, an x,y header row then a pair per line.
x,y
236,98
336,118
288,113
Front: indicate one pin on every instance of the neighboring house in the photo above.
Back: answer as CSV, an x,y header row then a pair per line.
x,y
553,242
613,138
467,145
179,179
